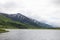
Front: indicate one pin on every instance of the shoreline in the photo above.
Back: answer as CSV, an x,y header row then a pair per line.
x,y
3,30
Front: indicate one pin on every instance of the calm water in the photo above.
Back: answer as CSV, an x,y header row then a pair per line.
x,y
27,34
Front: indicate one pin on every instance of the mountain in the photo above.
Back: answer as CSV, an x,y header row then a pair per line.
x,y
6,22
26,20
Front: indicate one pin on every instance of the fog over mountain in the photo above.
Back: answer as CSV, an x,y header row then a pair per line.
x,y
42,10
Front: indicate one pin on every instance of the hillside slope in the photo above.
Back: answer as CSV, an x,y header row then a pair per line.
x,y
8,23
26,20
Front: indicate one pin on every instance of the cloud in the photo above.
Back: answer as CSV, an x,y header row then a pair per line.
x,y
11,6
41,10
56,1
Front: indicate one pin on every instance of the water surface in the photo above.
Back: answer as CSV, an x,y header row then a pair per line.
x,y
28,34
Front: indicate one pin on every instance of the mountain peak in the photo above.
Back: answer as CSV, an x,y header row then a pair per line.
x,y
18,13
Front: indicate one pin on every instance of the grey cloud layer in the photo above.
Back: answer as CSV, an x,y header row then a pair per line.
x,y
47,10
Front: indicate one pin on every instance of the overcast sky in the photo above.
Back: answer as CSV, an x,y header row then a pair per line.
x,y
42,10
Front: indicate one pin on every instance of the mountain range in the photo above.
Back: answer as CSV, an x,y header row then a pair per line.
x,y
20,21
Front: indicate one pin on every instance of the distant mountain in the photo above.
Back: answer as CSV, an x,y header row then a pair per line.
x,y
26,20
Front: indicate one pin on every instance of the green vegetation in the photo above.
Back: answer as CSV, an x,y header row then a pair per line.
x,y
10,24
2,30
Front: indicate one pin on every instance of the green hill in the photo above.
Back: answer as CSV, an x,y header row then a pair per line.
x,y
8,23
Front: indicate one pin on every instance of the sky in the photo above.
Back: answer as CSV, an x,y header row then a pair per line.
x,y
47,11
